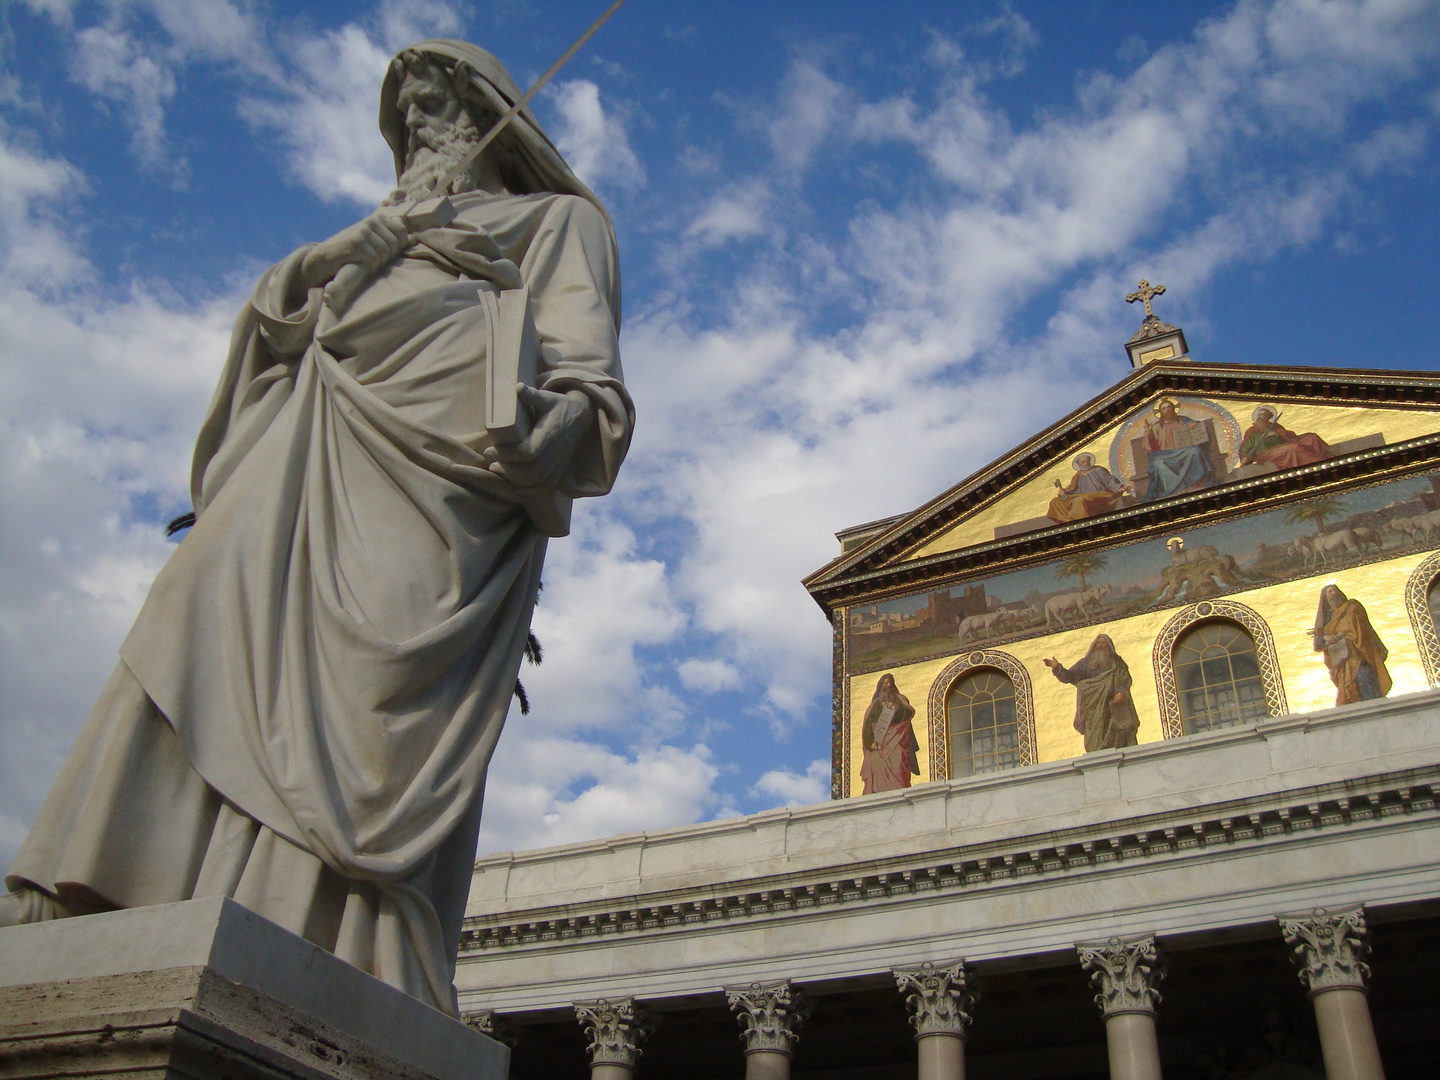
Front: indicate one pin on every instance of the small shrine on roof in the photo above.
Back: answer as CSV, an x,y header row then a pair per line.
x,y
1203,545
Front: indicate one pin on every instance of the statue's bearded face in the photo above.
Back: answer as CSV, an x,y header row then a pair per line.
x,y
440,132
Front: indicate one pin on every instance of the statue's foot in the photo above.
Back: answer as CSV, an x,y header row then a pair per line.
x,y
29,906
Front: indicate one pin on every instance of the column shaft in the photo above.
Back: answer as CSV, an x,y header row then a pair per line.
x,y
942,1057
767,1065
1134,1050
611,1071
1347,1035
1330,947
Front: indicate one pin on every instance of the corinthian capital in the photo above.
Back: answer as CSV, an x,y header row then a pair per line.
x,y
770,1015
1126,972
488,1022
1330,948
615,1030
939,996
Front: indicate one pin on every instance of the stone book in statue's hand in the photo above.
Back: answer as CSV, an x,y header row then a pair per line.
x,y
513,360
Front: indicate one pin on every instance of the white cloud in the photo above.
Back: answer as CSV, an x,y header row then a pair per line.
x,y
600,604
114,65
708,676
810,105
325,118
593,141
788,788
404,22
735,213
542,790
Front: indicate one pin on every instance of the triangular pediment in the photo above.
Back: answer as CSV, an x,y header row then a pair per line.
x,y
1161,435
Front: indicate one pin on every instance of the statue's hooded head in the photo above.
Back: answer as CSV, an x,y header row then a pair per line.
x,y
529,161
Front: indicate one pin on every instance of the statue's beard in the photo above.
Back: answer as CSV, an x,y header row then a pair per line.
x,y
430,157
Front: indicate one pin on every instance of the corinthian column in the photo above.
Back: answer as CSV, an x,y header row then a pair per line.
x,y
940,997
487,1022
1330,949
1127,973
770,1016
615,1030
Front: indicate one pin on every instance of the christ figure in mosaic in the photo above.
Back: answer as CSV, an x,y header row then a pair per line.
x,y
1179,453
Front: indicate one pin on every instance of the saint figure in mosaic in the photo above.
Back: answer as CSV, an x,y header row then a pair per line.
x,y
1267,441
891,749
1104,711
1179,453
1093,490
1353,651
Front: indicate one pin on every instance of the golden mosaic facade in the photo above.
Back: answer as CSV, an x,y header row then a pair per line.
x,y
1189,496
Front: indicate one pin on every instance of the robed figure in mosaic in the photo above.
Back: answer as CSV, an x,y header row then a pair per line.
x,y
891,755
1353,651
1267,441
1104,711
1092,490
1179,453
305,709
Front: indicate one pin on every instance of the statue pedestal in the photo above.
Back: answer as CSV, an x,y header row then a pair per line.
x,y
208,990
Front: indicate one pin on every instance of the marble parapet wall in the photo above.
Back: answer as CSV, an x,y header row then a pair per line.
x,y
1203,835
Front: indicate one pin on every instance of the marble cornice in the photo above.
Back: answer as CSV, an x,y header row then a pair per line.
x,y
1369,803
1337,386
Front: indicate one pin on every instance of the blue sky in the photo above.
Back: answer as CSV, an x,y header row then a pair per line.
x,y
866,248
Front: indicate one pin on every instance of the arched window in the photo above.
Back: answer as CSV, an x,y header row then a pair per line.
x,y
1217,675
981,721
1422,601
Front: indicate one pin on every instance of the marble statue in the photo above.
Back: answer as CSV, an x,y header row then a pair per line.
x,y
305,709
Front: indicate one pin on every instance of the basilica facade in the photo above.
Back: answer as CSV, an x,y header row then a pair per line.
x,y
1135,743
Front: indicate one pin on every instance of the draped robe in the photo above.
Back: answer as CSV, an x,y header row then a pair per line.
x,y
307,704
1104,722
1356,647
891,765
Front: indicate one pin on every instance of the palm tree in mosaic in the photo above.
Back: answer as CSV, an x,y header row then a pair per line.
x,y
1318,511
1080,566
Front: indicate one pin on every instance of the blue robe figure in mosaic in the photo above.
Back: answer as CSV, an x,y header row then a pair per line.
x,y
1179,453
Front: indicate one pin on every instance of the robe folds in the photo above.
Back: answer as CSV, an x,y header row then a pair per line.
x,y
1105,722
307,704
895,760
1281,447
1357,656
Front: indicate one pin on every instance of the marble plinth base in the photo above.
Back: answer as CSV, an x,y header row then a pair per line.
x,y
210,991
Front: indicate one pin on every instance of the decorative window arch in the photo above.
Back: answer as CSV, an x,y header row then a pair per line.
x,y
1206,610
1008,666
1422,614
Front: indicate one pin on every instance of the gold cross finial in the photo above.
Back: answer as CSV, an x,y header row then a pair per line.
x,y
1145,293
